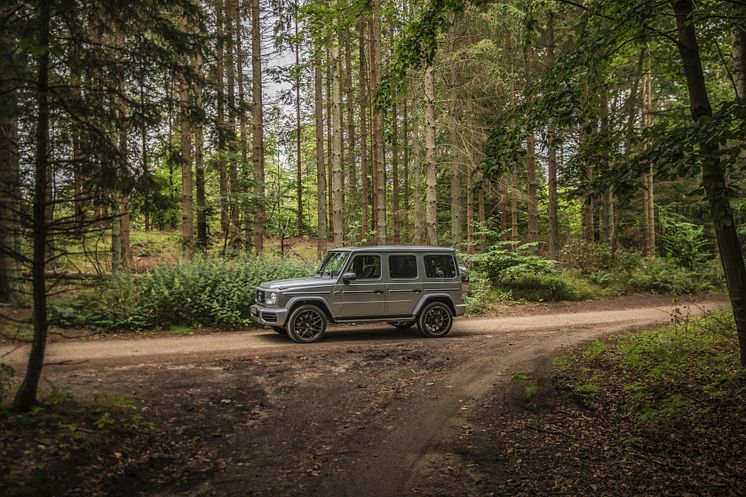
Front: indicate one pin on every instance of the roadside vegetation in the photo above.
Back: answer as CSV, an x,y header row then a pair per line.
x,y
654,412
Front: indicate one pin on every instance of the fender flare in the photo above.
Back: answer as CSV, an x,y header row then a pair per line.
x,y
440,297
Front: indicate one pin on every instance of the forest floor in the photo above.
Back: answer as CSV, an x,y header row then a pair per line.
x,y
370,411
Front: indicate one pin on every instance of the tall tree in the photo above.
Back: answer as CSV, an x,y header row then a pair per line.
x,y
185,156
298,130
648,194
713,176
320,160
554,245
456,205
336,131
379,191
364,107
431,172
395,205
257,125
27,393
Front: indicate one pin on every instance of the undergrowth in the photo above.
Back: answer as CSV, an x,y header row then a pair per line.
x,y
663,378
202,291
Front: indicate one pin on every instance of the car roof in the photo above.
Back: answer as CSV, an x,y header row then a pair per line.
x,y
396,248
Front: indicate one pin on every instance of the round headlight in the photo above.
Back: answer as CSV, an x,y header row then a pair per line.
x,y
272,298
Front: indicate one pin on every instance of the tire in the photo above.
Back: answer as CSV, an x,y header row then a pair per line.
x,y
307,324
280,330
435,320
403,325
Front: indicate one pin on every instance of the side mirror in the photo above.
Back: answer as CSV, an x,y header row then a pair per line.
x,y
347,277
464,274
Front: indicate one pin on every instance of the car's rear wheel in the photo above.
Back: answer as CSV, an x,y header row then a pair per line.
x,y
435,320
403,325
307,324
280,330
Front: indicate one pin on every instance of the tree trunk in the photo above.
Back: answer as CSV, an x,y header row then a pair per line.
x,y
364,164
185,155
419,212
230,76
26,396
351,182
609,223
456,215
395,204
245,203
514,234
221,124
738,51
337,202
199,163
713,177
533,226
10,193
298,165
320,160
431,180
257,126
647,179
379,197
554,248
405,171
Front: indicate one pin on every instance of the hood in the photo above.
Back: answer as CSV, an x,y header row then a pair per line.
x,y
294,283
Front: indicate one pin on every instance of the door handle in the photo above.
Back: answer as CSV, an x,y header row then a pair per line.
x,y
378,292
416,291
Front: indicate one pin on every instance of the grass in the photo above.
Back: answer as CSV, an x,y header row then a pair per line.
x,y
661,377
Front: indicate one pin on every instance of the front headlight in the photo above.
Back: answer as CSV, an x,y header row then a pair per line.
x,y
272,298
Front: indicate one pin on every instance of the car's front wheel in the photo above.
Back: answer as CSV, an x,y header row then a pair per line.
x,y
435,320
307,324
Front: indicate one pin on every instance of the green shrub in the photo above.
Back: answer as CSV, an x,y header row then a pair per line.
x,y
586,257
661,275
500,262
540,287
681,240
204,290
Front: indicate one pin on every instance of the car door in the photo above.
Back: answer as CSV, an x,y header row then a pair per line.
x,y
365,296
404,287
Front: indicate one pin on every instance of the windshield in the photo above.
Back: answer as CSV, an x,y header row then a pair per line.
x,y
333,264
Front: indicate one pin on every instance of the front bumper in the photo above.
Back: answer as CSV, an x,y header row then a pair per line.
x,y
269,316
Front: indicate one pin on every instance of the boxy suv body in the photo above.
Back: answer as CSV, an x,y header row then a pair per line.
x,y
396,284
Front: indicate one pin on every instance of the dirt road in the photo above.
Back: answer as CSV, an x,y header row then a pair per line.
x,y
354,415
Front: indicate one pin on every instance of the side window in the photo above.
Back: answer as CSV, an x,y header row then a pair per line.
x,y
366,267
402,266
440,266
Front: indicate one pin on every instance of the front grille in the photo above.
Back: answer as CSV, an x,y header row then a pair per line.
x,y
259,296
270,317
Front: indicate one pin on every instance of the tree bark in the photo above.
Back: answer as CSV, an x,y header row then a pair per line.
x,y
554,248
320,160
533,226
185,156
431,180
336,103
405,171
257,126
379,197
230,75
395,204
298,166
245,203
10,193
221,124
364,164
738,51
456,207
351,163
713,176
419,213
199,164
647,178
26,396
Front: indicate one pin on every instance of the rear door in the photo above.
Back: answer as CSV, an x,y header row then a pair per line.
x,y
404,288
364,297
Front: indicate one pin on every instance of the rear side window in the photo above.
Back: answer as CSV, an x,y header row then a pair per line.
x,y
440,266
402,266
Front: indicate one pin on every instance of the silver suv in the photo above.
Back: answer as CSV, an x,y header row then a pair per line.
x,y
396,284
